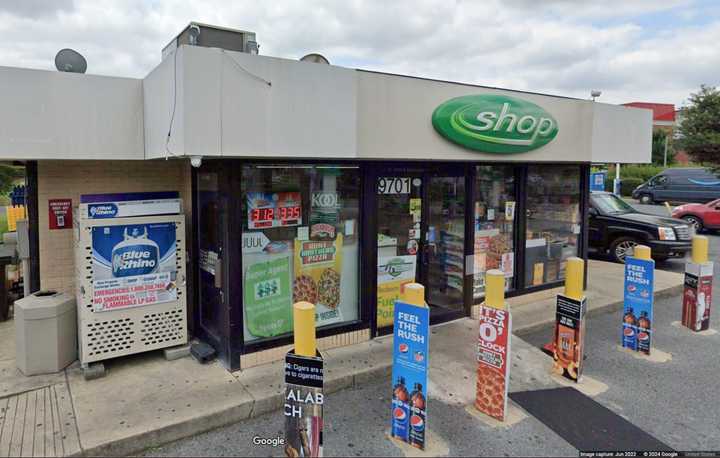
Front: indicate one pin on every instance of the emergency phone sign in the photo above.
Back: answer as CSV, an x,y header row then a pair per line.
x,y
60,213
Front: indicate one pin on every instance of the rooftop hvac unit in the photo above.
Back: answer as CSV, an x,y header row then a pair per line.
x,y
210,36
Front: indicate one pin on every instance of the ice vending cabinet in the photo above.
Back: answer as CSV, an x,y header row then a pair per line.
x,y
130,271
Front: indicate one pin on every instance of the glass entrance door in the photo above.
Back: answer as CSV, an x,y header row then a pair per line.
x,y
420,238
444,249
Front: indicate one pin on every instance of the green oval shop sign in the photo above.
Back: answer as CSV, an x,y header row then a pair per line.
x,y
494,123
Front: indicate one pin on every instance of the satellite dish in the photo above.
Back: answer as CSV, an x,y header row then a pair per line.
x,y
69,60
315,58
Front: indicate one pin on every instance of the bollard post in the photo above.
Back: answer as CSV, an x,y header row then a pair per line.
x,y
493,349
411,348
304,398
638,291
569,338
697,291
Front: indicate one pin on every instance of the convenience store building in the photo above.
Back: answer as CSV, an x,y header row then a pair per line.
x,y
317,182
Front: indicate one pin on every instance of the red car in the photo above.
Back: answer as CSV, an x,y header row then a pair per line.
x,y
702,216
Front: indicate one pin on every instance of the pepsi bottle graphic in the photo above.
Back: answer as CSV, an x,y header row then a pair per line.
x,y
135,255
400,411
417,418
629,337
643,333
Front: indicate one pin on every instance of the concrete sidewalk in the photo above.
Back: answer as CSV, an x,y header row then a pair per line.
x,y
145,401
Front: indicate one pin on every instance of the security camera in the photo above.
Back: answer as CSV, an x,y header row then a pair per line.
x,y
196,161
194,34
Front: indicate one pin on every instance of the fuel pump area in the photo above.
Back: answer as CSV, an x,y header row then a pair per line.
x,y
305,199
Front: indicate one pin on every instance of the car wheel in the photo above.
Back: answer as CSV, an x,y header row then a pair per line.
x,y
622,247
645,199
694,221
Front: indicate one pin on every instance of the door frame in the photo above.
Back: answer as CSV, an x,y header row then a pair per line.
x,y
221,341
424,171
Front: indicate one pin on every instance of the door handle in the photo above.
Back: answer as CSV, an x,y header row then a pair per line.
x,y
218,273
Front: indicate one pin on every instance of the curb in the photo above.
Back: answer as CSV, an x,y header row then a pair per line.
x,y
600,310
258,407
151,439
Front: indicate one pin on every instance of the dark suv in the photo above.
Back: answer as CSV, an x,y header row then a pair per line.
x,y
616,227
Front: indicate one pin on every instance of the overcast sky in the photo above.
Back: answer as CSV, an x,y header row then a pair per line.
x,y
632,50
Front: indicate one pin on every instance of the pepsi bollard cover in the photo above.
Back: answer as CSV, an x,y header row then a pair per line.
x,y
638,310
409,374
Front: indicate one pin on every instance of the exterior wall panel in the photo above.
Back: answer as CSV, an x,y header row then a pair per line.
x,y
70,179
55,115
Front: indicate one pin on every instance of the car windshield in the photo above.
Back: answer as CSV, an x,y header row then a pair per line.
x,y
610,203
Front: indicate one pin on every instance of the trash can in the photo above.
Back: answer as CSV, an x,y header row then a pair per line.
x,y
45,332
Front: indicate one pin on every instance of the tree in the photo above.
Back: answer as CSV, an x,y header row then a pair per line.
x,y
700,127
659,137
8,175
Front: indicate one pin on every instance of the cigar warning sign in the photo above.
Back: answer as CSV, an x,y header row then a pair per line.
x,y
303,407
493,353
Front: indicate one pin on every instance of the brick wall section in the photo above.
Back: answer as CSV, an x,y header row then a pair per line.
x,y
69,179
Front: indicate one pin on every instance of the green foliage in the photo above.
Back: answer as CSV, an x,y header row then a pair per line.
x,y
658,148
627,184
700,127
8,176
642,171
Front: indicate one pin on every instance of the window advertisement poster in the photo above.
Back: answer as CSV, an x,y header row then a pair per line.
x,y
318,265
279,209
393,273
409,372
697,296
569,337
268,300
493,358
133,265
638,309
303,406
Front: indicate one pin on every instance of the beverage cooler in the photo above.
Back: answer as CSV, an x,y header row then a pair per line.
x,y
130,274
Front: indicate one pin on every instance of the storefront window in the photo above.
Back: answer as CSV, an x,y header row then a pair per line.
x,y
494,204
553,221
299,243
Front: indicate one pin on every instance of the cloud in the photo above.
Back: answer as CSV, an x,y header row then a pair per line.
x,y
565,47
35,8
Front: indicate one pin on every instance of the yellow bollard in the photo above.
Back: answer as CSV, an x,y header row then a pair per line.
x,y
495,289
413,293
669,209
642,252
574,273
699,249
304,328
